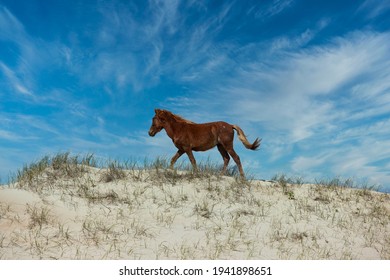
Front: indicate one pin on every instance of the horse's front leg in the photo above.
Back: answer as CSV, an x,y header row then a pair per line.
x,y
192,159
175,157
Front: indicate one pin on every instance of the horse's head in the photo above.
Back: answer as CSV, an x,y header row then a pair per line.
x,y
157,123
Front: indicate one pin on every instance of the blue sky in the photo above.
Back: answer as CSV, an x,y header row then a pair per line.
x,y
312,78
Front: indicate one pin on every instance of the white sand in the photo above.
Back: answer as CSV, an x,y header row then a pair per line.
x,y
167,215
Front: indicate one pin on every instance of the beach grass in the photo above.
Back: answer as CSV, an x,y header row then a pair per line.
x,y
79,207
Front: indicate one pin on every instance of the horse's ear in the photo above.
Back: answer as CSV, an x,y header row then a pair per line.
x,y
160,114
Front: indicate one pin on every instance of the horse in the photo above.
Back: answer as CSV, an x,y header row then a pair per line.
x,y
188,136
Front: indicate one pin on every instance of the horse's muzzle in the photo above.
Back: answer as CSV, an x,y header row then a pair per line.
x,y
152,133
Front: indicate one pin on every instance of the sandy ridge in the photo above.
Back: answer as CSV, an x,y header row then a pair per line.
x,y
164,214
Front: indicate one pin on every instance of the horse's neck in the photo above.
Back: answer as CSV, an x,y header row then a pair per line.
x,y
172,126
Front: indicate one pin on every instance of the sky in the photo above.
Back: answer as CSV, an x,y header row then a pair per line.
x,y
311,78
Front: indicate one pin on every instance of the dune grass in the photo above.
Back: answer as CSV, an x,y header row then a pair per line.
x,y
84,208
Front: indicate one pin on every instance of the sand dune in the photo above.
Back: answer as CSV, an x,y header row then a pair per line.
x,y
162,214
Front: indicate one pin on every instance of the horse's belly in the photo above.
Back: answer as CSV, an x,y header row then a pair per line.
x,y
198,140
201,149
205,146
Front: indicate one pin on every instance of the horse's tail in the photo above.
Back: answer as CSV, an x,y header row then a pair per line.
x,y
254,146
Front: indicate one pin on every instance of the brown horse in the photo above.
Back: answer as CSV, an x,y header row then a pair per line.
x,y
188,136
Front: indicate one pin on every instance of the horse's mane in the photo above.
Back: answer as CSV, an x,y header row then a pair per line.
x,y
177,117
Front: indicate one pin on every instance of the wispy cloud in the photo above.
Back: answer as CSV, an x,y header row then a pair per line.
x,y
30,57
126,49
10,27
8,135
374,8
272,9
133,53
14,82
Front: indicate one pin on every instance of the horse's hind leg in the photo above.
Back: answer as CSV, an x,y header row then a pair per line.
x,y
225,157
236,159
175,157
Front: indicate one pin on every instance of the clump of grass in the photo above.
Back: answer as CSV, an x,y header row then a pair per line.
x,y
204,209
160,163
183,170
211,168
65,165
89,160
140,230
5,210
114,172
336,183
163,173
286,184
325,189
61,165
39,216
30,173
109,197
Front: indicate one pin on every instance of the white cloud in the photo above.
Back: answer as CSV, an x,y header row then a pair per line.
x,y
321,70
300,92
361,161
8,135
302,164
285,43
